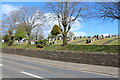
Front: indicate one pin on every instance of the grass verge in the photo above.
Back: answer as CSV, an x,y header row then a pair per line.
x,y
20,46
84,48
78,48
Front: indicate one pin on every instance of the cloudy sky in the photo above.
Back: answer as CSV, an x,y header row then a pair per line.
x,y
84,28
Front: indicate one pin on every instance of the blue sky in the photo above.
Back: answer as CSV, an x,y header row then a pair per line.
x,y
86,28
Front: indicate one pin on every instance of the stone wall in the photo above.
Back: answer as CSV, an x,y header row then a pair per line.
x,y
104,59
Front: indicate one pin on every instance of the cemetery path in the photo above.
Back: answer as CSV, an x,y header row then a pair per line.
x,y
109,41
77,42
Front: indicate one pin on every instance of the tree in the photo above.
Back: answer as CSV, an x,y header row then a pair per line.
x,y
41,37
1,30
66,13
55,30
6,38
9,22
71,34
38,33
30,17
20,32
108,10
51,36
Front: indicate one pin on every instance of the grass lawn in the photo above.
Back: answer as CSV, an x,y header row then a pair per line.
x,y
59,42
20,46
82,43
74,41
81,48
115,42
84,48
99,42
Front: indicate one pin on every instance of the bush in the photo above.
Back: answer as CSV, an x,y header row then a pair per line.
x,y
10,42
41,43
39,46
6,38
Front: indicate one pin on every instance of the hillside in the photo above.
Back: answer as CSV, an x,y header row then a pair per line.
x,y
107,41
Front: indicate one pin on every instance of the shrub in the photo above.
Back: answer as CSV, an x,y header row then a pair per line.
x,y
6,38
39,46
10,42
41,43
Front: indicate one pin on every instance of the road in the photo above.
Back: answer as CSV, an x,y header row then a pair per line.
x,y
24,67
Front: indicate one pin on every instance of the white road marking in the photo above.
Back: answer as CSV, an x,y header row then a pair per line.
x,y
31,75
1,65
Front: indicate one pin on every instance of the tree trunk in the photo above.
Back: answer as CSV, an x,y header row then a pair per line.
x,y
29,41
55,39
65,39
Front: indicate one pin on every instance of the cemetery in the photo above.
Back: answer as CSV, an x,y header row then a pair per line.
x,y
87,44
95,40
90,40
24,29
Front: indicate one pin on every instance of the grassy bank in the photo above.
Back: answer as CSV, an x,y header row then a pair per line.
x,y
20,46
84,48
81,48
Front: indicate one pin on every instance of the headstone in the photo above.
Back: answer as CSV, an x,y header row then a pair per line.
x,y
2,41
97,37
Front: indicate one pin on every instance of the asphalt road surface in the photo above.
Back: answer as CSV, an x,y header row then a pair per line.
x,y
16,68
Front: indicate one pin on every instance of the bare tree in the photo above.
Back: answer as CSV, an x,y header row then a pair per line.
x,y
9,23
30,17
66,13
38,32
71,34
108,10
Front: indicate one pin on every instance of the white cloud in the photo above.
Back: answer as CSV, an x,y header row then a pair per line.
x,y
7,8
79,33
105,34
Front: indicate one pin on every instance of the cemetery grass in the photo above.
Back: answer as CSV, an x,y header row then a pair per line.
x,y
84,48
115,42
74,41
99,42
20,46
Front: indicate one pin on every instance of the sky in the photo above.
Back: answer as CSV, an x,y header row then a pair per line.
x,y
88,27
